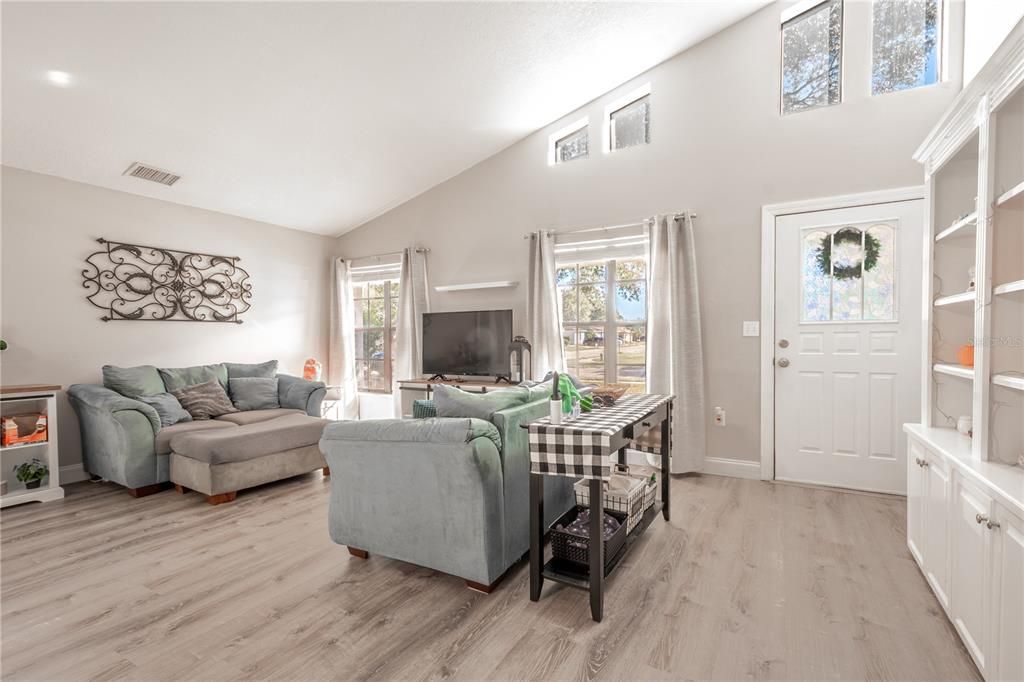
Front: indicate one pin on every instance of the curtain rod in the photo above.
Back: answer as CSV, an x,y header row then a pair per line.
x,y
575,230
378,256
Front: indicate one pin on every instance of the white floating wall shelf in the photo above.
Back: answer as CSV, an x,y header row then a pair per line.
x,y
504,284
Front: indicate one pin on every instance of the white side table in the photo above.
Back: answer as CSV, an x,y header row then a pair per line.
x,y
25,400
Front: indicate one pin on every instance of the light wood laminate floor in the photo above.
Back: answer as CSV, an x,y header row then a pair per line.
x,y
750,580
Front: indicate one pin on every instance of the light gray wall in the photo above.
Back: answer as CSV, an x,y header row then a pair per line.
x,y
49,226
719,147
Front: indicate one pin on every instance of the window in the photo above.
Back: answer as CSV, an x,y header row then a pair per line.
x,y
376,309
905,44
627,120
570,143
812,54
849,274
605,334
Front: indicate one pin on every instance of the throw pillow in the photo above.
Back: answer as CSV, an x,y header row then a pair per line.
x,y
254,393
423,409
454,402
237,370
205,400
167,406
179,377
133,381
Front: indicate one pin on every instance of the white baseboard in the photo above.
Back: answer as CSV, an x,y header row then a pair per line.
x,y
737,468
73,473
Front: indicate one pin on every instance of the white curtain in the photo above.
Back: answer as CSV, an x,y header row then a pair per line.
x,y
544,315
341,354
413,301
675,355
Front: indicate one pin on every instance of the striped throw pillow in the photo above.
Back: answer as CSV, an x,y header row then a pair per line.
x,y
205,400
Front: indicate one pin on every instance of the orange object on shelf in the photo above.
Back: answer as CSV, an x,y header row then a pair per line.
x,y
19,429
965,356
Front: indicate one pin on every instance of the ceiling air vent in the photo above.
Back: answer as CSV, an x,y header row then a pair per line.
x,y
138,170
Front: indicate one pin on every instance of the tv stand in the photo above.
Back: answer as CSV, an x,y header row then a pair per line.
x,y
439,377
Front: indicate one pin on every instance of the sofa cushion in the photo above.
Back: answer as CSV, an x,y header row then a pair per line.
x,y
454,402
167,406
266,370
250,441
164,435
254,393
133,381
205,400
256,416
176,378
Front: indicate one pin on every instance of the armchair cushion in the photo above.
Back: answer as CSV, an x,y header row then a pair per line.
x,y
178,378
133,381
454,402
254,393
265,370
167,406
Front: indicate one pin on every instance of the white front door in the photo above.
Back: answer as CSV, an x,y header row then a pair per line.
x,y
847,344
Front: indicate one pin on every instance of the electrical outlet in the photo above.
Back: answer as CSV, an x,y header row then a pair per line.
x,y
719,416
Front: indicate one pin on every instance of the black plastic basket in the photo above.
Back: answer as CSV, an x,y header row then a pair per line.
x,y
576,550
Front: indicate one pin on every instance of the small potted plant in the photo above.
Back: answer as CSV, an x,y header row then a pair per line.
x,y
31,473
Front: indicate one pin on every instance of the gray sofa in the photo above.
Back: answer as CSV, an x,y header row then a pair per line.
x,y
123,440
447,493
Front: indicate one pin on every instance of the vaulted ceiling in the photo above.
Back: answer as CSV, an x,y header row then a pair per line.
x,y
315,116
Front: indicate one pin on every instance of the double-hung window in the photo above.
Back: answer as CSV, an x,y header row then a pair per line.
x,y
375,295
603,297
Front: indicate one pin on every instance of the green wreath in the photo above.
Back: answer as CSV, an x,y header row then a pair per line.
x,y
852,235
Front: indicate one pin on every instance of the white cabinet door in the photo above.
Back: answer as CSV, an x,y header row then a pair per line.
x,y
915,501
971,568
935,524
1008,597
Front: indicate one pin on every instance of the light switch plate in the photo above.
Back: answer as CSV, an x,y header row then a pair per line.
x,y
751,328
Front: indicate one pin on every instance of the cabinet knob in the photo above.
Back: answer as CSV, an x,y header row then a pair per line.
x,y
993,525
925,463
980,518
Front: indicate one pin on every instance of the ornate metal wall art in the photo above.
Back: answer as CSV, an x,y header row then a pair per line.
x,y
135,282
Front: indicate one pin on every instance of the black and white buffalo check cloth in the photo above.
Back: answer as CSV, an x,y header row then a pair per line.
x,y
581,448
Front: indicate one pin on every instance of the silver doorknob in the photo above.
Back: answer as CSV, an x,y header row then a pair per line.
x,y
783,343
993,525
783,362
980,518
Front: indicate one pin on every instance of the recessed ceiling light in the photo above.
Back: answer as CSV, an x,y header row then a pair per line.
x,y
61,78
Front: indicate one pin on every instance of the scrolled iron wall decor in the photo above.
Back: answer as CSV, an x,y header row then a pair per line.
x,y
136,282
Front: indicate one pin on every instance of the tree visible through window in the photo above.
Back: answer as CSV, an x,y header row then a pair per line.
x,y
605,335
376,310
812,55
905,44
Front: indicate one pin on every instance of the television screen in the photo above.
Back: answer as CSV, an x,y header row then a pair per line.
x,y
467,343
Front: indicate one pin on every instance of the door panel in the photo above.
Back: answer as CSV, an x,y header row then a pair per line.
x,y
935,528
969,585
1008,598
915,501
847,333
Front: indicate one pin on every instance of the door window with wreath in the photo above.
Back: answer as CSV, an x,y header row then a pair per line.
x,y
849,273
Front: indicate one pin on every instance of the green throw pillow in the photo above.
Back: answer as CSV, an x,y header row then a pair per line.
x,y
254,393
133,381
238,370
180,377
167,406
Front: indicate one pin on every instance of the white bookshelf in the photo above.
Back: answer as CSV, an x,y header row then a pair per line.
x,y
16,400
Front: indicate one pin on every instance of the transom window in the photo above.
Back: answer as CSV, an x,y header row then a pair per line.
x,y
627,120
848,273
605,334
812,57
905,44
376,310
570,143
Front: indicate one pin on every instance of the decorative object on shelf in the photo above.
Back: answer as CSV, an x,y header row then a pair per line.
x,y
605,396
312,370
970,278
20,429
965,425
556,401
31,473
848,235
965,355
136,282
517,347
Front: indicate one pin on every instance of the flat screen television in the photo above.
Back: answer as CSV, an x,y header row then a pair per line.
x,y
474,343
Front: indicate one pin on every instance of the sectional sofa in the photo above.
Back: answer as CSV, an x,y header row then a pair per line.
x,y
126,440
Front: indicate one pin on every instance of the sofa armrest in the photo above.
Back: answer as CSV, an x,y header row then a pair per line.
x,y
298,394
452,430
103,399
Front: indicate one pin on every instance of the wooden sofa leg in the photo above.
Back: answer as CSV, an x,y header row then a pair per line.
x,y
361,553
480,587
327,471
180,489
147,490
222,498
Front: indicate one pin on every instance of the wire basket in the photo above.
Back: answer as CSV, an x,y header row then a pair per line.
x,y
626,493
